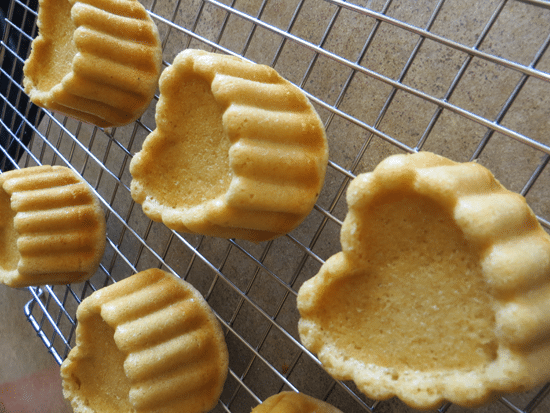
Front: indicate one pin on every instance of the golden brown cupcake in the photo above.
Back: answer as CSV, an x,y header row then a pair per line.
x,y
149,343
52,229
441,291
292,402
238,151
96,60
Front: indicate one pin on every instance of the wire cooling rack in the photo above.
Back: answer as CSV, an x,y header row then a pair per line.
x,y
465,79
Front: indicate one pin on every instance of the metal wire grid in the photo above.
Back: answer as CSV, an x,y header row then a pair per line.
x,y
368,70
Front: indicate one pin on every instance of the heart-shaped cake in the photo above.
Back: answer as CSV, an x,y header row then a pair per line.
x,y
238,151
441,291
95,60
292,402
52,227
149,343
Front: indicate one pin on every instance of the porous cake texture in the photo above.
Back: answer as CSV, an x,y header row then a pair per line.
x,y
441,291
238,151
292,402
52,227
149,343
95,60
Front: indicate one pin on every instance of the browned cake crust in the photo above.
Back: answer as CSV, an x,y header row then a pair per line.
x,y
147,344
52,229
441,291
95,60
292,402
238,152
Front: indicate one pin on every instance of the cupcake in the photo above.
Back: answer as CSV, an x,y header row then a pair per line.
x,y
97,61
238,152
441,291
52,229
291,402
149,343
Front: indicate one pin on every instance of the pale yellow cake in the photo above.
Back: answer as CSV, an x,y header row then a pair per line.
x,y
238,151
441,291
147,344
292,402
95,60
52,227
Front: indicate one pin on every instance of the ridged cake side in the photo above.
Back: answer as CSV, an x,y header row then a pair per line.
x,y
508,287
292,402
58,226
173,356
277,150
111,61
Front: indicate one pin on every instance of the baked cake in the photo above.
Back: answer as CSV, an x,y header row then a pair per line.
x,y
95,60
441,291
292,402
149,343
238,151
52,229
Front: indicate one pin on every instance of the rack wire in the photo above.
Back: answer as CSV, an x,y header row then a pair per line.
x,y
466,79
